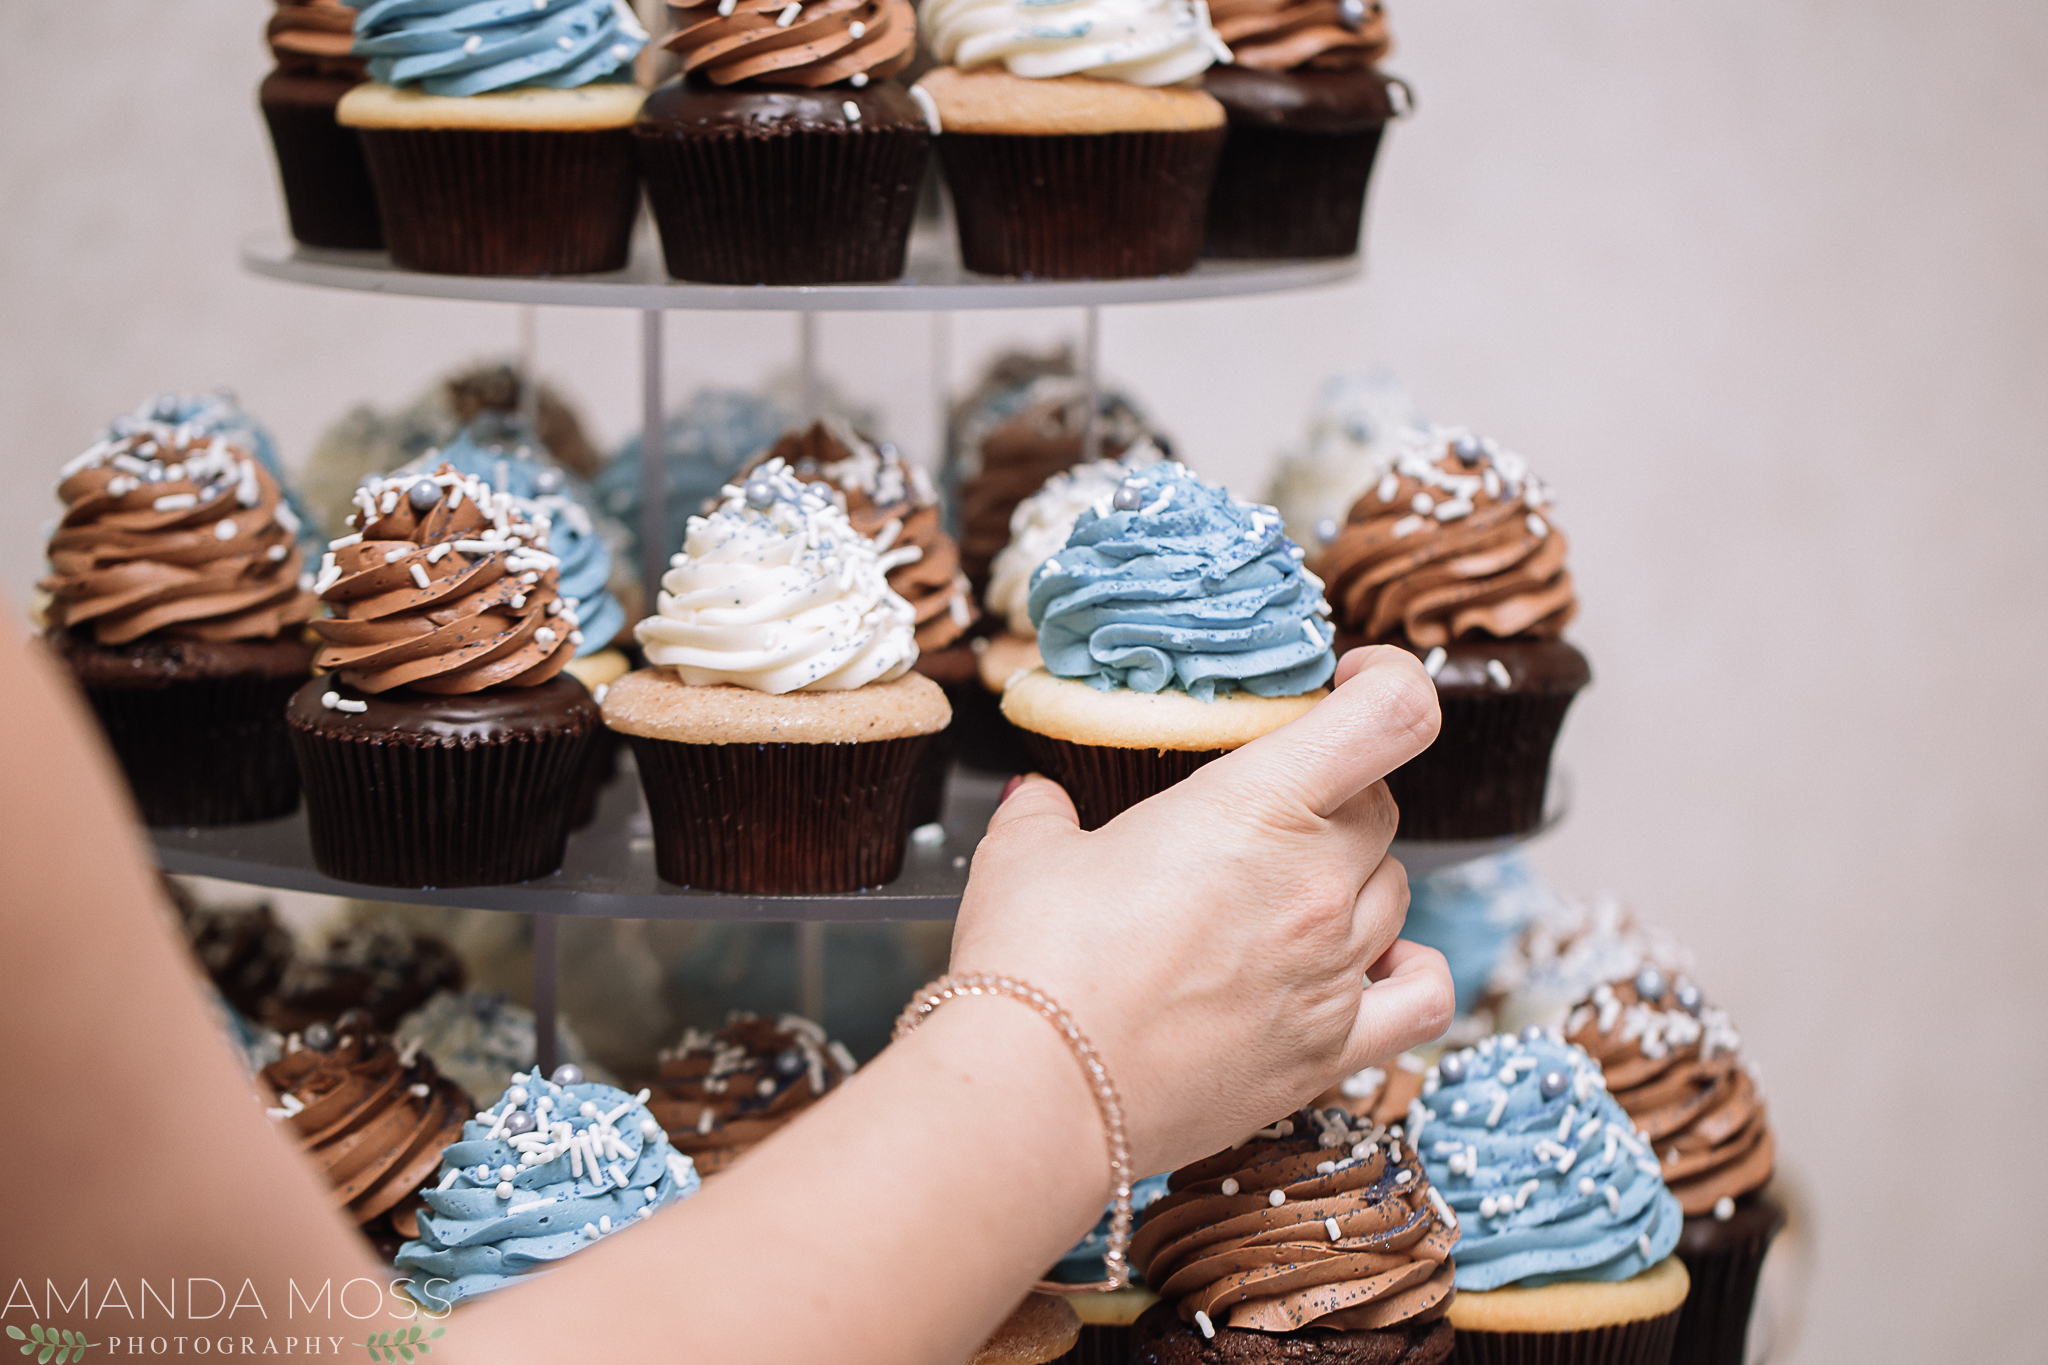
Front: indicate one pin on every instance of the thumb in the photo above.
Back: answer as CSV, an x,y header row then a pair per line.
x,y
1035,797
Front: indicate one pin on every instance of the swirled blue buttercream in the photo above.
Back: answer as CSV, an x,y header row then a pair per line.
x,y
1543,1168
509,466
512,1203
1189,589
1083,1263
472,47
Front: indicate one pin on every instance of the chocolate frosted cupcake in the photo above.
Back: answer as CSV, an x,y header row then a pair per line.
x,y
379,971
721,1093
1306,108
779,732
1452,555
372,1118
783,154
1671,1062
497,135
443,749
327,193
176,602
1176,624
1318,1239
1074,142
1565,1226
893,503
553,1167
243,950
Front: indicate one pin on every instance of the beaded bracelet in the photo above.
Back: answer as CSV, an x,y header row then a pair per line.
x,y
1117,1258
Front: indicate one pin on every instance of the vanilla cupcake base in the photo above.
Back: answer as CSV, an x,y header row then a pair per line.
x,y
806,793
1113,749
1573,1322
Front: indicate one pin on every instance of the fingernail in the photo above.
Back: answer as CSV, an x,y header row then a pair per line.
x,y
1009,787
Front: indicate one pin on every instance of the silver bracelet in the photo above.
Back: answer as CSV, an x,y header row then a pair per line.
x,y
1117,1259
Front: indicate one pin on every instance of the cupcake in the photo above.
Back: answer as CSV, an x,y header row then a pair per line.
x,y
176,602
478,1038
784,154
1073,137
1473,912
217,414
1451,554
1105,1336
242,949
893,502
719,1094
1671,1061
498,136
379,971
1306,106
1565,1226
1317,1239
443,747
1176,624
1567,949
778,733
1379,1094
1040,1330
327,194
705,442
372,1117
554,1166
1353,438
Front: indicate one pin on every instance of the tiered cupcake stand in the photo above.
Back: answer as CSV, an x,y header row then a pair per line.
x,y
608,870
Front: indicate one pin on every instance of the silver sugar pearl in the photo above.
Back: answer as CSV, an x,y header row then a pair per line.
x,y
568,1073
1450,1068
548,481
1553,1084
760,494
1650,984
319,1037
789,1061
1689,998
1129,497
1532,1033
1351,13
1326,530
423,495
518,1121
1468,449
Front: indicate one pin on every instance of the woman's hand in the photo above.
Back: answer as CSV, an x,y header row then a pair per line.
x,y
1214,942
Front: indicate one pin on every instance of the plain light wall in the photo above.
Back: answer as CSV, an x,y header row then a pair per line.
x,y
1759,286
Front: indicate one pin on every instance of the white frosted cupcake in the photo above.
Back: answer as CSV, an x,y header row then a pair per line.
x,y
780,728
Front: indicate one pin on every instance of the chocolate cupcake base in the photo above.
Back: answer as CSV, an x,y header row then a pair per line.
x,y
467,201
1159,1337
1724,1260
1485,777
1647,1341
426,791
779,819
1292,179
755,186
197,726
1105,782
1073,206
328,197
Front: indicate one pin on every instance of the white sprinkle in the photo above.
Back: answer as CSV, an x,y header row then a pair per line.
x,y
1403,1177
1498,672
566,43
851,110
175,502
856,29
1230,1185
1423,504
419,576
330,699
224,530
858,80
1724,1209
1458,1108
1536,526
1390,484
544,636
344,542
1614,1201
928,106
1586,1185
726,7
1452,510
1500,1104
472,42
1277,1198
1643,1245
1528,1188
504,1189
604,1224
1330,1225
1408,526
788,15
1433,662
1308,628
1443,1210
354,708
1208,1327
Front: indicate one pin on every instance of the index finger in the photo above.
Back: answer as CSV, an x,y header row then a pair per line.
x,y
1382,713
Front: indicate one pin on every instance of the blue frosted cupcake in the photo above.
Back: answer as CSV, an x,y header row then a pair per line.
x,y
554,1166
1566,1229
1176,624
1106,1318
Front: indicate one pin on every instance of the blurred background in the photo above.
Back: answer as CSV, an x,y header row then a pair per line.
x,y
1759,287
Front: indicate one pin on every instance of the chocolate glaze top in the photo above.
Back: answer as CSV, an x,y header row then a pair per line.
x,y
692,106
157,662
1325,101
558,705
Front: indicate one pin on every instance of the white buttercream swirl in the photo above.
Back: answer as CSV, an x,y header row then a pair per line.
x,y
783,598
1142,42
1042,522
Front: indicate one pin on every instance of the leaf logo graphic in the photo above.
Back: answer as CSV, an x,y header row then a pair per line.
x,y
53,1344
405,1343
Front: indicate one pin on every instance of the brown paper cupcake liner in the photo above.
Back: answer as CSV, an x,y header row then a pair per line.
x,y
1713,1324
1082,205
1644,1342
779,819
1486,774
928,788
983,737
328,198
1105,782
600,764
1284,193
461,201
210,751
388,813
795,206
1099,1345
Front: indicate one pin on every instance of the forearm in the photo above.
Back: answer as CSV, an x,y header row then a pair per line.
x,y
896,1222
